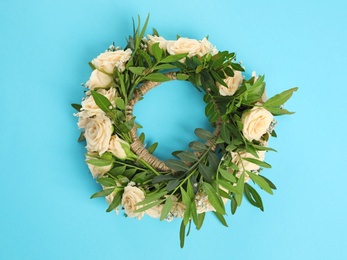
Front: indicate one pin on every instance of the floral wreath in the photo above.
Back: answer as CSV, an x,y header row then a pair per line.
x,y
216,168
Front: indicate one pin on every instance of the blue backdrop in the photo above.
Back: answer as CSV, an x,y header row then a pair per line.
x,y
45,208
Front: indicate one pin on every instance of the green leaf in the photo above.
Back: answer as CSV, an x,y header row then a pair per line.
x,y
167,207
228,186
157,51
224,133
176,165
276,111
213,198
209,109
157,77
137,70
187,156
187,202
201,218
153,197
213,160
228,175
240,186
120,103
233,205
203,134
280,99
181,76
115,202
197,146
258,162
206,172
77,107
194,213
272,186
253,197
173,58
161,178
102,193
99,162
165,67
171,185
152,148
182,234
81,137
102,102
105,181
148,206
117,170
262,183
221,218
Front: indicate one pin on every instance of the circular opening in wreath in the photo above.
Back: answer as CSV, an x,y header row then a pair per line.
x,y
169,114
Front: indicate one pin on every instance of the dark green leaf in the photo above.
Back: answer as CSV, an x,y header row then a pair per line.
x,y
171,185
81,137
272,186
213,160
253,197
152,148
197,146
161,178
102,193
240,187
203,134
152,197
233,205
221,218
224,133
115,202
206,172
102,102
176,165
187,156
77,107
209,109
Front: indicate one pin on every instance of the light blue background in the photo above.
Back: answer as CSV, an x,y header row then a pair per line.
x,y
45,187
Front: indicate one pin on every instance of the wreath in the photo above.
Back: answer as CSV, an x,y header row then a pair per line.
x,y
218,167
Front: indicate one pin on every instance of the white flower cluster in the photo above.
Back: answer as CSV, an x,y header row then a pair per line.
x,y
98,128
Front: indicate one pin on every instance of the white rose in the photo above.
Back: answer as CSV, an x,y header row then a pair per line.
x,y
118,147
82,121
152,39
132,196
98,171
184,45
99,79
155,212
256,122
207,47
108,60
233,84
246,165
98,133
90,108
